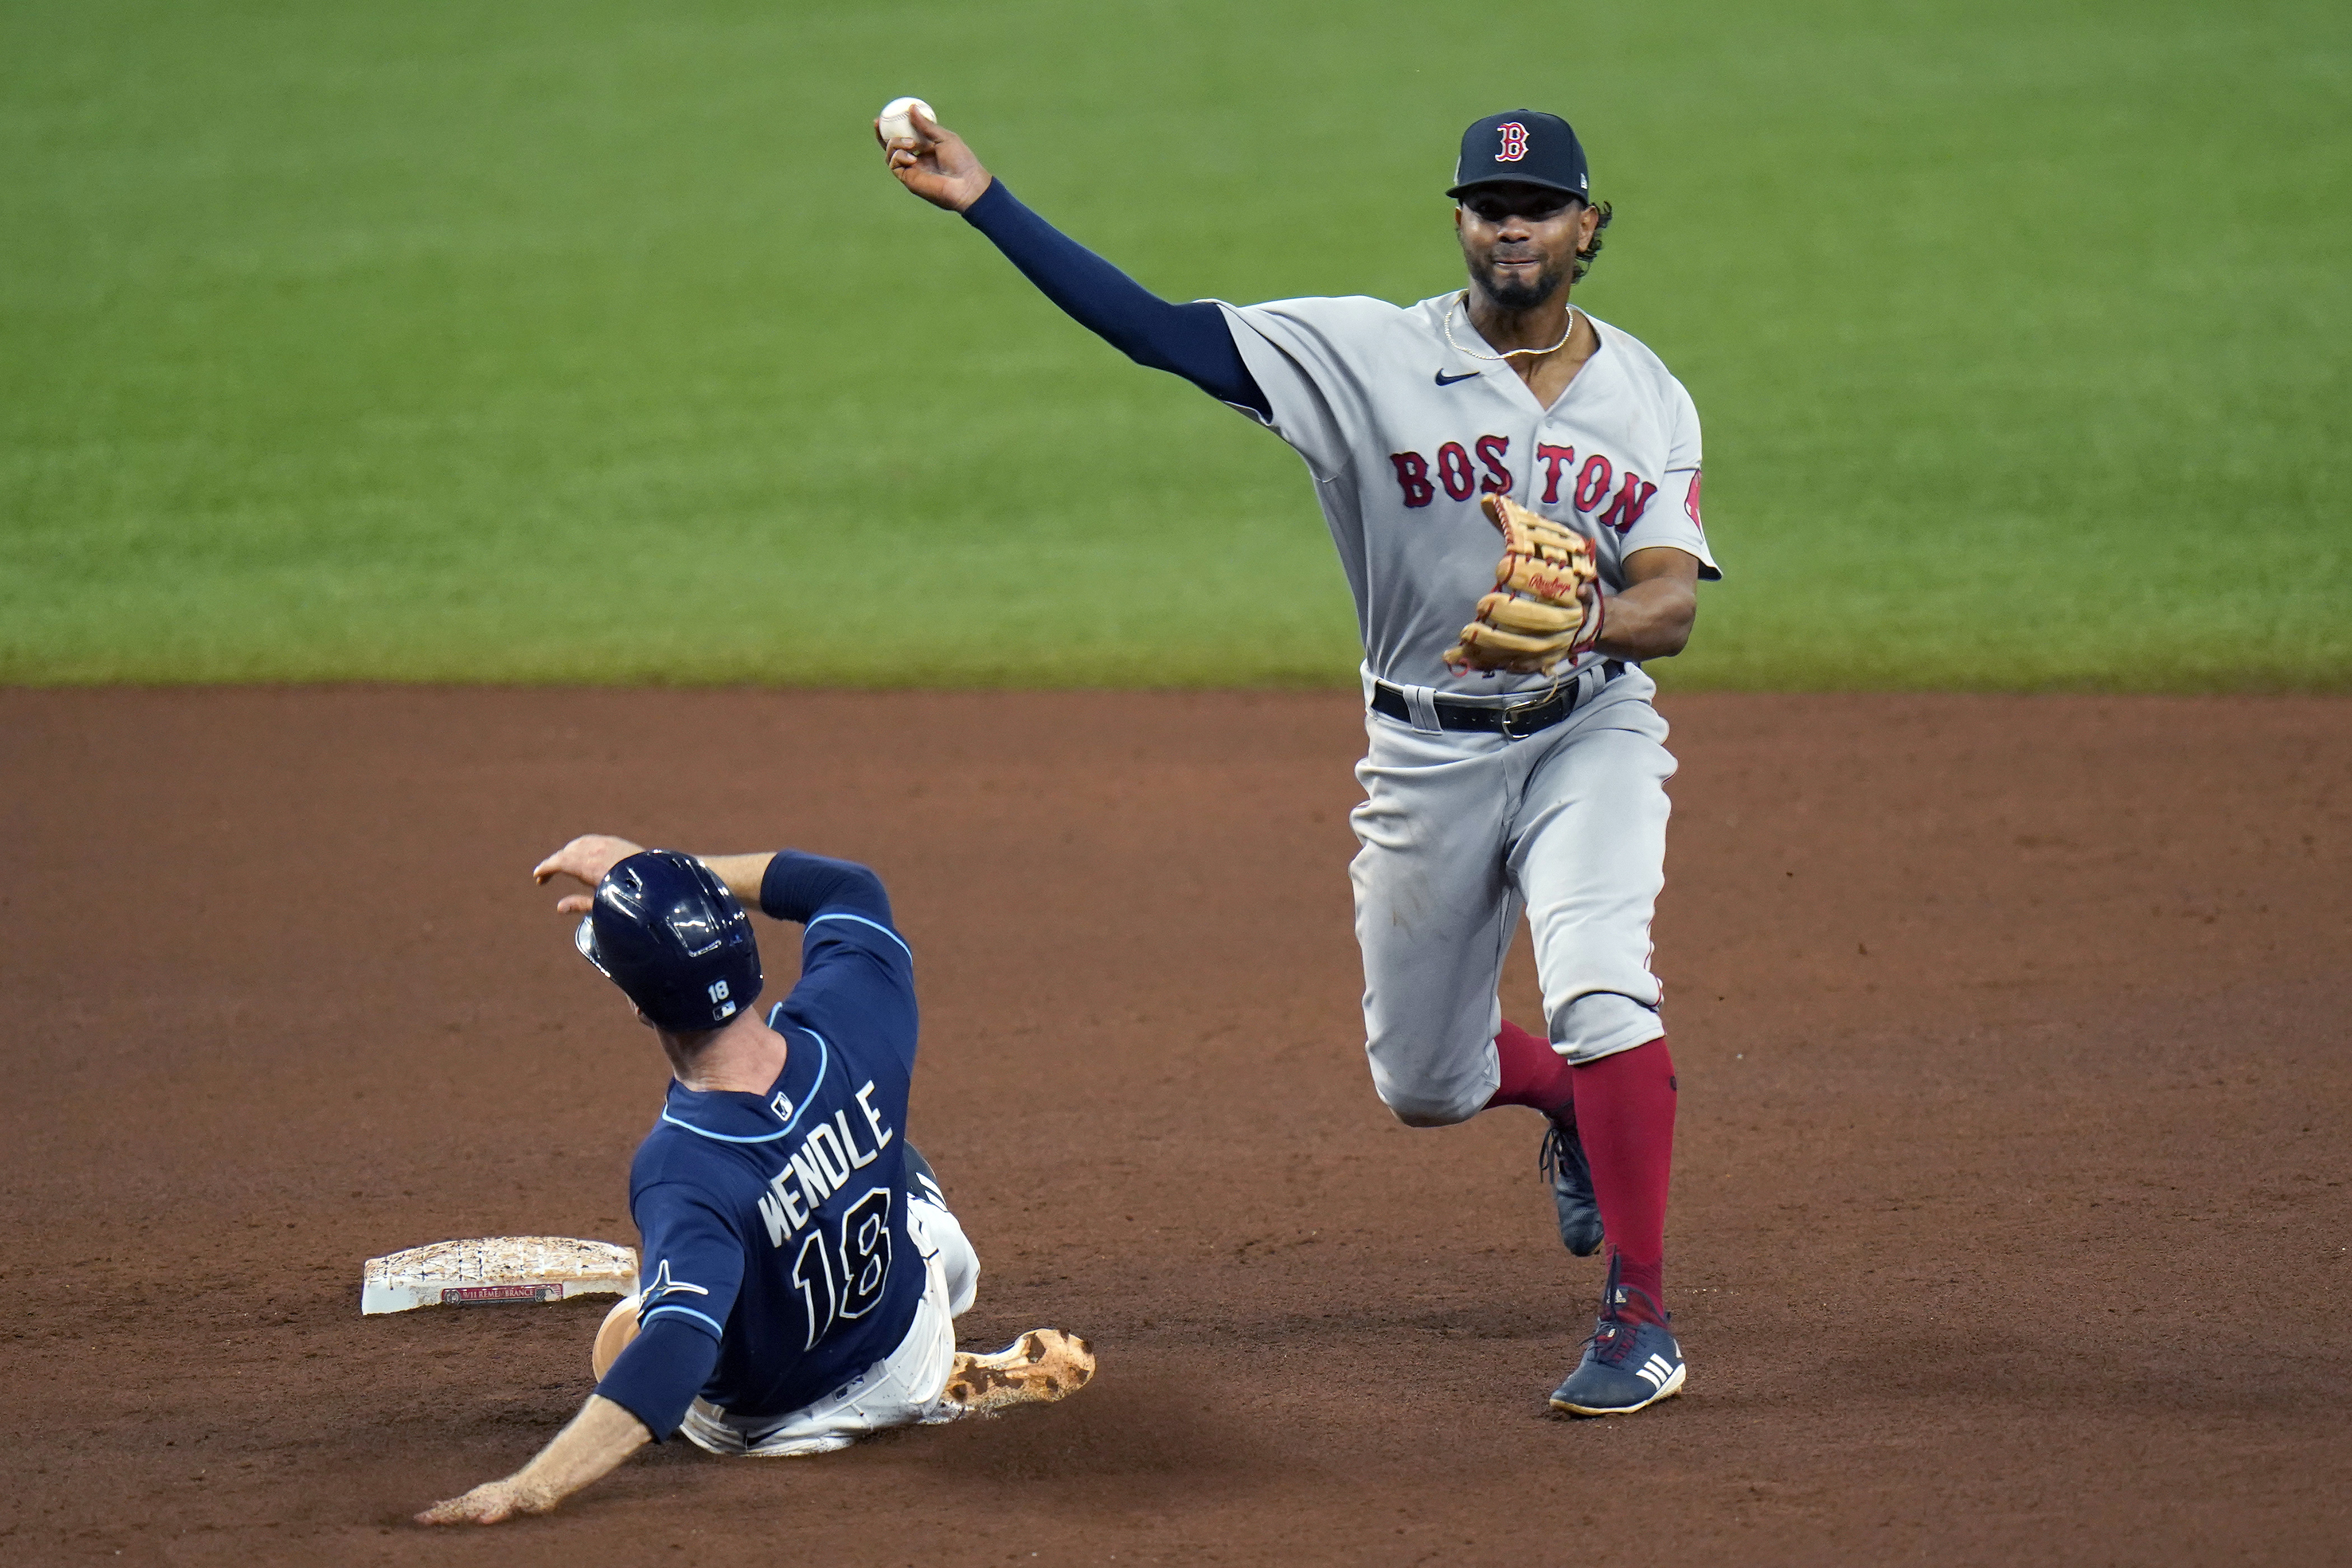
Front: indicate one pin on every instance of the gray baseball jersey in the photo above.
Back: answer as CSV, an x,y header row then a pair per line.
x,y
1403,433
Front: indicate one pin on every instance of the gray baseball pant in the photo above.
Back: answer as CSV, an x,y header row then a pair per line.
x,y
1460,832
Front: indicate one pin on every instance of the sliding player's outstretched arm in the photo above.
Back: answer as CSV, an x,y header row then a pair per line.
x,y
1190,340
601,1435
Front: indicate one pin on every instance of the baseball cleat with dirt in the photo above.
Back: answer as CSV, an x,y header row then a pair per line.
x,y
1041,1366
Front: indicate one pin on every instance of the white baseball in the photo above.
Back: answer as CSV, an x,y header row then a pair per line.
x,y
896,121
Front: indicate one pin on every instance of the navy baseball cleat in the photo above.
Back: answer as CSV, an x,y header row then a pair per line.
x,y
1629,1363
1562,1160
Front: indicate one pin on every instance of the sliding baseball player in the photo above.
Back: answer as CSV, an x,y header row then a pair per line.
x,y
800,1272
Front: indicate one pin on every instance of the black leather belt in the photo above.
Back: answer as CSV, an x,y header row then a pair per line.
x,y
1514,721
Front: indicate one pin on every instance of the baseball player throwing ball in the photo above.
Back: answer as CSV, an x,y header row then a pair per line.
x,y
801,1272
1515,761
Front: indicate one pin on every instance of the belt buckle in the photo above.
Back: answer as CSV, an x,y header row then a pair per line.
x,y
1511,732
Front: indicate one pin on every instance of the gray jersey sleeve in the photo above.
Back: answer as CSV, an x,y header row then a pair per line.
x,y
1673,517
1299,351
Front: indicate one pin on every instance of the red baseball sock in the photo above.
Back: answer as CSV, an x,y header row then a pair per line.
x,y
1534,1074
1625,1116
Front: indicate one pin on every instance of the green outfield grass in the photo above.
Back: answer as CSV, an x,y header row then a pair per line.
x,y
585,341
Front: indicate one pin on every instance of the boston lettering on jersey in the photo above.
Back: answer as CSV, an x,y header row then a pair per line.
x,y
1589,486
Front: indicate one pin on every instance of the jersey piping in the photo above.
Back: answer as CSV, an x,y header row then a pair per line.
x,y
825,1057
717,1328
861,920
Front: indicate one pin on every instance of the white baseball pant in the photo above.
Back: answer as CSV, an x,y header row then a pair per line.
x,y
903,1389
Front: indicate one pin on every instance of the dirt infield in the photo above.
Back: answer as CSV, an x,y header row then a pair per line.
x,y
2011,1202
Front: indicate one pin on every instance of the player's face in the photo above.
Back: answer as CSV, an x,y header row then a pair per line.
x,y
1520,241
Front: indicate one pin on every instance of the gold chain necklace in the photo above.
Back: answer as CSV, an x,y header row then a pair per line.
x,y
1463,300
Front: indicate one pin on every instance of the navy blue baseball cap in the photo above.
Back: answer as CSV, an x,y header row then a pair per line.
x,y
1522,147
668,933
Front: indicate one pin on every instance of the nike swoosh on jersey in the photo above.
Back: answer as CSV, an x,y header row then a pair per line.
x,y
1445,379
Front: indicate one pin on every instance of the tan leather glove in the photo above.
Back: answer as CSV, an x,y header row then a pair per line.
x,y
1546,606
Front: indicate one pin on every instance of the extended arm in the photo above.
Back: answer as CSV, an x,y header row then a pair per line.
x,y
783,884
1653,617
645,1393
599,1438
590,855
1191,339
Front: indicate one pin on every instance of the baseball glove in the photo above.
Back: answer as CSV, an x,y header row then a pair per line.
x,y
1546,606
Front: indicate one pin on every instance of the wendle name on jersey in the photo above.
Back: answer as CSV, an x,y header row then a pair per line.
x,y
821,1164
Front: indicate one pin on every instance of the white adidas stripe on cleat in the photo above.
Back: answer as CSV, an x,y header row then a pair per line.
x,y
1667,1381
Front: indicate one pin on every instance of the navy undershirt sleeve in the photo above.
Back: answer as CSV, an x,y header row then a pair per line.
x,y
657,1376
797,885
1193,340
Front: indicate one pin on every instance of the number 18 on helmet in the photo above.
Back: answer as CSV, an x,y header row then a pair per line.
x,y
665,930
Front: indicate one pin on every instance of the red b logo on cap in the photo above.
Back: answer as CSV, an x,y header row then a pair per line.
x,y
1515,142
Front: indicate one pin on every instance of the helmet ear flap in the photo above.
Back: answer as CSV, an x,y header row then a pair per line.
x,y
667,931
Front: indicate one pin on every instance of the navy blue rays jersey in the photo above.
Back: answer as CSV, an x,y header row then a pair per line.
x,y
776,1223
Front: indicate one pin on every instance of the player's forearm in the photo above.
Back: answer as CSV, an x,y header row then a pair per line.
x,y
788,885
599,1438
591,1447
742,873
1649,620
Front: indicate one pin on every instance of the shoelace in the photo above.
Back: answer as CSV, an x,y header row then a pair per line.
x,y
1616,1335
1613,1341
1553,1154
